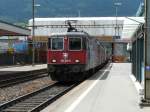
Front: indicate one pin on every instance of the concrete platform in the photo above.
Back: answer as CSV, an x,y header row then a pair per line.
x,y
109,90
24,68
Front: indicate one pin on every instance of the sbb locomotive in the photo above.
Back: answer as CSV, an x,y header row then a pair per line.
x,y
73,55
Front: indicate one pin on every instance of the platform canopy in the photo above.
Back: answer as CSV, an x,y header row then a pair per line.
x,y
130,26
105,28
8,29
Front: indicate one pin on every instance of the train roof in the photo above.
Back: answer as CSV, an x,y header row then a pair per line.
x,y
70,33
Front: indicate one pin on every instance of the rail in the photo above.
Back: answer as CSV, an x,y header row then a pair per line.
x,y
37,100
11,79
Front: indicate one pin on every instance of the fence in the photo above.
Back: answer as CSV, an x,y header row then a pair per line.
x,y
22,58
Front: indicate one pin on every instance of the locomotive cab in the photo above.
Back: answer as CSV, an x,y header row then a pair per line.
x,y
66,55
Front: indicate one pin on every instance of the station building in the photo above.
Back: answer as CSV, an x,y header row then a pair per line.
x,y
10,37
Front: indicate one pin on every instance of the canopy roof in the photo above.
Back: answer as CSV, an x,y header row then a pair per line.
x,y
124,27
8,29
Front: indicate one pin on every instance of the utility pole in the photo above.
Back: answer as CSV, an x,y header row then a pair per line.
x,y
33,33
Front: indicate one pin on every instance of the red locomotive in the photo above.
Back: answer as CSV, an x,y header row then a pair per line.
x,y
73,55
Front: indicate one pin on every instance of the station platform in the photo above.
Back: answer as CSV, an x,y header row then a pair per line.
x,y
24,68
109,90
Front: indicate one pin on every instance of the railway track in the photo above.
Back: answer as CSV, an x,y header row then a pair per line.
x,y
9,81
36,101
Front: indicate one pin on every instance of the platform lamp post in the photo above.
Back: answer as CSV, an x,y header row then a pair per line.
x,y
79,13
117,4
33,31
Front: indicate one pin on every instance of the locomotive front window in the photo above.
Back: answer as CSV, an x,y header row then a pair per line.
x,y
57,43
74,43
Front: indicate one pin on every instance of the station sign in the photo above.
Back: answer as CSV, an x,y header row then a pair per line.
x,y
122,40
41,38
116,37
104,38
113,39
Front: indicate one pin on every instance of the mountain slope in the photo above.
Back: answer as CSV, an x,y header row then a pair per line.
x,y
21,10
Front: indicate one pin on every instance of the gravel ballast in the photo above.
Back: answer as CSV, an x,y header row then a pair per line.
x,y
9,93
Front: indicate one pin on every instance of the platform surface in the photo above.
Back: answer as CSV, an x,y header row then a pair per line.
x,y
24,68
109,90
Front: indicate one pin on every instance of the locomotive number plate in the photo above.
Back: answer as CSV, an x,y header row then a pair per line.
x,y
62,60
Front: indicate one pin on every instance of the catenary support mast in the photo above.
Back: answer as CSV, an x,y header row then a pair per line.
x,y
147,51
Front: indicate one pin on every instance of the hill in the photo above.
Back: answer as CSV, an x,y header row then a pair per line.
x,y
21,10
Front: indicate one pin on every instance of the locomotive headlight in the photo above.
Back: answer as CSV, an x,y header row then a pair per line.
x,y
77,61
54,61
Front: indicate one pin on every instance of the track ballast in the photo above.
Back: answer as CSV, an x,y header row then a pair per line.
x,y
36,101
